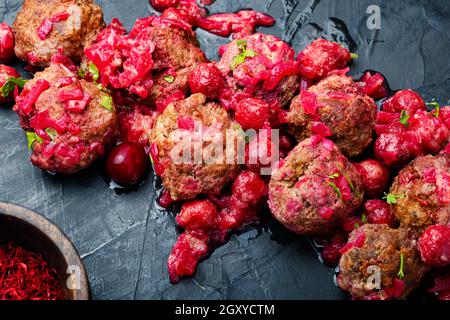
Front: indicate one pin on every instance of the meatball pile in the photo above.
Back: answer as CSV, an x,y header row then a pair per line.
x,y
320,159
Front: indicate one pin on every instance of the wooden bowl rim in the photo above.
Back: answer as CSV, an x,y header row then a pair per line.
x,y
59,239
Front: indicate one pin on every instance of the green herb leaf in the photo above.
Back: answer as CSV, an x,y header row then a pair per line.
x,y
11,84
169,78
32,138
241,44
107,103
336,189
404,117
363,218
103,88
400,273
354,55
392,198
94,71
356,226
244,54
436,107
81,72
334,176
51,132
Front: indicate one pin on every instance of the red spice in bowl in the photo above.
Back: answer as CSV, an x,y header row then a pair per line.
x,y
24,275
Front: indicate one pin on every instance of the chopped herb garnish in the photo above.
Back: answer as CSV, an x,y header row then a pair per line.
x,y
103,88
436,107
400,273
241,44
32,138
336,189
356,226
354,55
334,176
392,198
244,54
10,85
51,133
81,72
404,117
363,218
169,78
94,71
107,103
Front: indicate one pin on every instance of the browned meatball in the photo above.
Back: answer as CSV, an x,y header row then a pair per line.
x,y
315,188
71,32
338,103
420,194
69,121
177,53
176,129
261,65
380,263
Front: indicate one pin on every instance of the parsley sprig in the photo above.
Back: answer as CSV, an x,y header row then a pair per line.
x,y
404,117
107,103
392,198
32,137
94,71
10,85
436,107
243,55
169,78
51,133
333,185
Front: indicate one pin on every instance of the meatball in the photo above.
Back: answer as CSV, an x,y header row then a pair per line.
x,y
43,27
420,194
177,53
263,66
176,135
315,188
69,121
340,104
155,58
380,263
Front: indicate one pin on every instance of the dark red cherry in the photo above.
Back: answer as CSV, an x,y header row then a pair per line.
x,y
128,164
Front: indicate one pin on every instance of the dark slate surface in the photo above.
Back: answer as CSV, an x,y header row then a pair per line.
x,y
125,239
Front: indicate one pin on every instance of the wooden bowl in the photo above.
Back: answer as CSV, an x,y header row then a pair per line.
x,y
35,233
